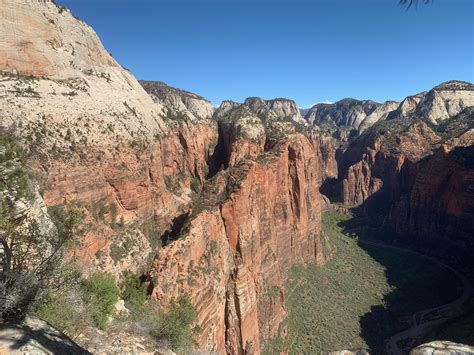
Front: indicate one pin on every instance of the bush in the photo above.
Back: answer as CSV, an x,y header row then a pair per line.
x,y
174,325
133,291
196,185
66,311
177,323
101,291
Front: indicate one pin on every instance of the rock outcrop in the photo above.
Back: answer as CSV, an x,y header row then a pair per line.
x,y
350,352
96,139
34,336
234,201
440,203
182,103
282,109
440,103
442,348
261,216
350,113
417,169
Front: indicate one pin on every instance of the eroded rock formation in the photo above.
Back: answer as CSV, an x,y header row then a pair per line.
x,y
234,200
350,113
417,166
261,216
442,347
96,139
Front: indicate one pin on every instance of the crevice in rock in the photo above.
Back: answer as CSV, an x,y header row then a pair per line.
x,y
270,143
182,141
295,183
177,226
219,159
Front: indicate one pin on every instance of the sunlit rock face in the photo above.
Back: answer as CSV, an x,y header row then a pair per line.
x,y
134,160
350,112
97,139
233,257
350,352
442,348
439,104
182,103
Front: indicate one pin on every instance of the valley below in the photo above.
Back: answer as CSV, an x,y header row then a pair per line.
x,y
138,217
370,295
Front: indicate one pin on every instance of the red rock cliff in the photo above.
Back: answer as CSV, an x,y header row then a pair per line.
x,y
232,258
441,202
422,175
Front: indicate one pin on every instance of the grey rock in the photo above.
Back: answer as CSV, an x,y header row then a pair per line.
x,y
442,348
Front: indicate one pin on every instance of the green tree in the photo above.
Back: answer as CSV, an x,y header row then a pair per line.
x,y
31,255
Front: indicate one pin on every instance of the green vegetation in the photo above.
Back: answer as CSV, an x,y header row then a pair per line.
x,y
33,254
176,115
101,291
13,166
196,185
91,302
65,311
172,185
174,324
364,294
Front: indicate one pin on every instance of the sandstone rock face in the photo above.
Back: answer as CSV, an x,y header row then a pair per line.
x,y
440,203
262,215
135,163
351,113
97,140
442,102
419,171
442,348
379,114
379,160
189,105
277,108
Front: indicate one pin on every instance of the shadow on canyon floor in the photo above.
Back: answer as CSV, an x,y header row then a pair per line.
x,y
416,283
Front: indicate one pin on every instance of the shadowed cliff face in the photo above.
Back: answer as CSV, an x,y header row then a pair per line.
x,y
441,200
415,173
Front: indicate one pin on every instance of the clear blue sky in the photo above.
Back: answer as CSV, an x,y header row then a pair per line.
x,y
307,50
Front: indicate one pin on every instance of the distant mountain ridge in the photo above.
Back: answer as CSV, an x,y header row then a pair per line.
x,y
444,101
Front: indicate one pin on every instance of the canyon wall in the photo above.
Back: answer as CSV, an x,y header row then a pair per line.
x,y
95,138
440,203
416,170
252,221
221,207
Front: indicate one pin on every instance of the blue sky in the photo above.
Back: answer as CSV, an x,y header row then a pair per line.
x,y
307,50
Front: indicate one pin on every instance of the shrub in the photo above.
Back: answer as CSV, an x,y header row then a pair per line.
x,y
133,291
101,291
65,311
196,185
117,252
178,323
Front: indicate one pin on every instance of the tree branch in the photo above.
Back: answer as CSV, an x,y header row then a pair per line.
x,y
7,257
410,3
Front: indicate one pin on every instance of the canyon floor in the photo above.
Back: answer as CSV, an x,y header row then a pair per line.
x,y
372,291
